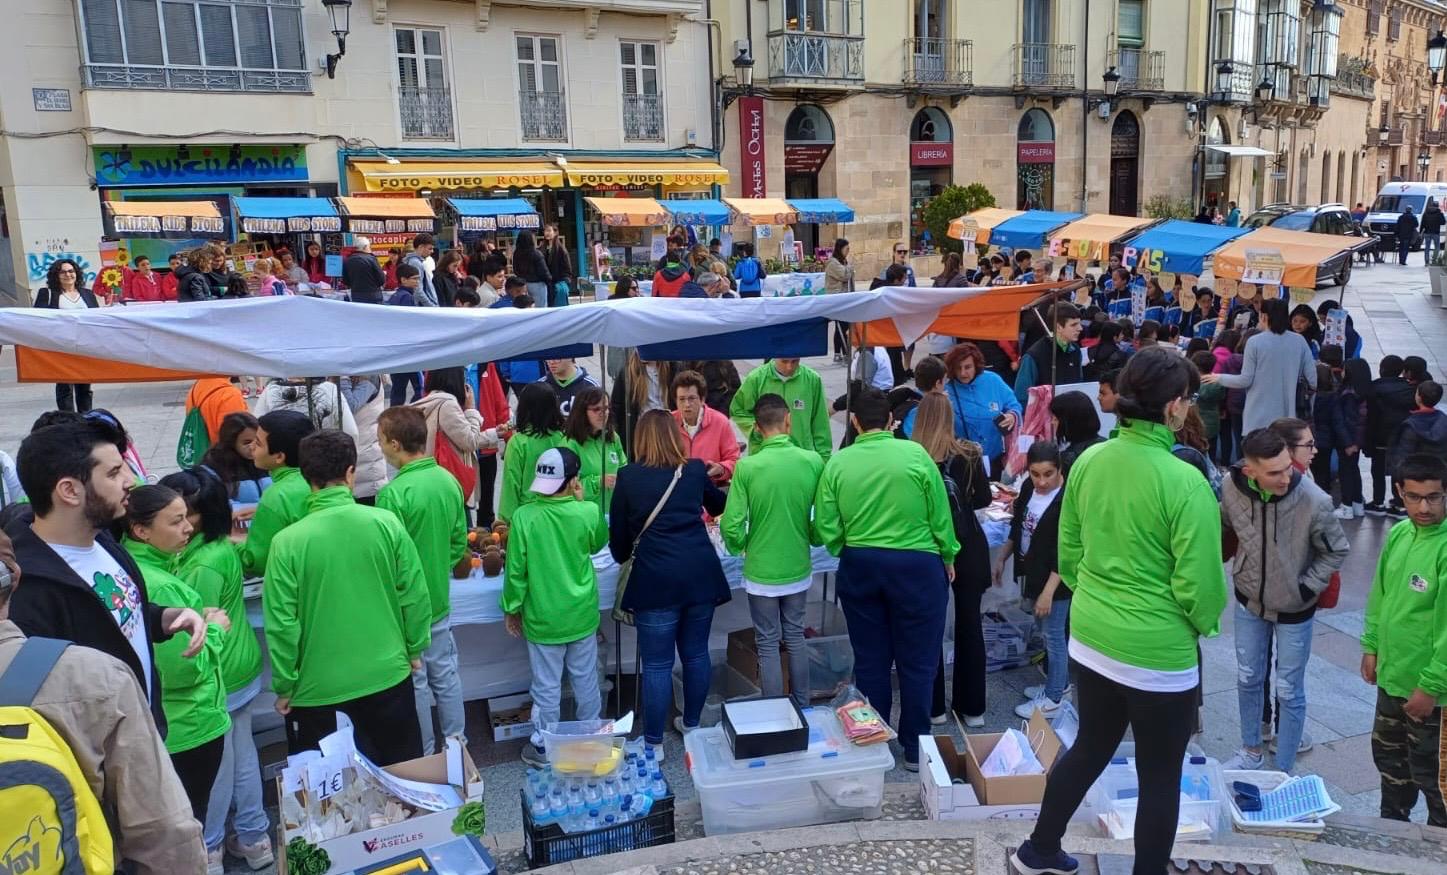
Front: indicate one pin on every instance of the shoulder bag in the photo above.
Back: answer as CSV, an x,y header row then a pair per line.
x,y
626,570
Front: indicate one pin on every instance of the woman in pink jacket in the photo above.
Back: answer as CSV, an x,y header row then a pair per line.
x,y
707,434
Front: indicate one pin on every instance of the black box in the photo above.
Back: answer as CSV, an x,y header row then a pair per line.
x,y
749,745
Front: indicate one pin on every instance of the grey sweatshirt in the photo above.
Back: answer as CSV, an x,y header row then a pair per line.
x,y
1272,365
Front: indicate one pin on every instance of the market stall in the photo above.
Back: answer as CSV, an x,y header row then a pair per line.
x,y
387,215
976,226
171,220
1030,229
1178,246
500,215
291,223
1268,257
1090,238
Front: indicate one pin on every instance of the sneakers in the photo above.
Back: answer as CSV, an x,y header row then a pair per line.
x,y
1344,512
1047,706
1035,691
678,724
216,862
1359,510
534,755
939,719
1396,511
1306,743
974,721
257,856
911,766
1028,861
1245,760
657,751
1375,508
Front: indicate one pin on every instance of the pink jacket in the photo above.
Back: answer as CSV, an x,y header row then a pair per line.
x,y
1222,355
716,440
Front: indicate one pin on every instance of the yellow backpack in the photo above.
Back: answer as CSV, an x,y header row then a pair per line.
x,y
50,821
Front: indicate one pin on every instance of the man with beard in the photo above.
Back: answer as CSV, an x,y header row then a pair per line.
x,y
80,586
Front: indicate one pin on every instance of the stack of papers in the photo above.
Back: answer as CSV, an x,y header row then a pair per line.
x,y
1297,800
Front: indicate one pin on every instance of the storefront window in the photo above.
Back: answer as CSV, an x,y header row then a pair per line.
x,y
1035,162
1217,164
931,168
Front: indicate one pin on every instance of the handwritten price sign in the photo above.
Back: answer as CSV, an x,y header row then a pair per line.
x,y
1264,266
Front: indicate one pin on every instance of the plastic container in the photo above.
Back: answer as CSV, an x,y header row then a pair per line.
x,y
725,685
830,782
1267,781
1117,790
548,844
583,747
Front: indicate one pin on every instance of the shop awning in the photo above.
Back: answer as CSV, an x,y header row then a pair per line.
x,y
388,215
1089,237
674,174
494,214
1030,229
176,220
820,210
284,215
762,210
1300,253
630,212
980,223
992,315
453,175
1242,151
1183,246
697,212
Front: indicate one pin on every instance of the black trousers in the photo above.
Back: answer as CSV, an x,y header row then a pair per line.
x,y
197,769
75,397
384,724
1162,724
967,687
487,480
842,339
1381,483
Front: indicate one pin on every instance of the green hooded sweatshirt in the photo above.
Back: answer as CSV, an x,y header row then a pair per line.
x,y
428,501
345,602
1150,580
598,456
213,569
884,492
766,519
808,408
519,461
192,692
282,504
1406,621
549,570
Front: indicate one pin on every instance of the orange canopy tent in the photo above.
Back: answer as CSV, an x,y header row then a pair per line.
x,y
992,315
981,222
43,366
1302,253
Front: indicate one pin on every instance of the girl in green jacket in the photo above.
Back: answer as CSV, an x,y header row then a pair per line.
x,y
539,429
192,692
591,435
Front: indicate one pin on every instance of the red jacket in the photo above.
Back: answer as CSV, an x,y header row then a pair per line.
x,y
491,401
135,287
716,441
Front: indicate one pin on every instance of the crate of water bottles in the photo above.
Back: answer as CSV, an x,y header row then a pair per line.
x,y
568,817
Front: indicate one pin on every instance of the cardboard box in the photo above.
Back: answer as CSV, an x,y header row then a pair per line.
x,y
512,723
1012,797
361,849
765,727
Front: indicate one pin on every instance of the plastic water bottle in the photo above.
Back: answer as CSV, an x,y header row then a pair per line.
x,y
592,795
659,787
624,813
610,788
593,822
557,808
649,758
577,816
542,813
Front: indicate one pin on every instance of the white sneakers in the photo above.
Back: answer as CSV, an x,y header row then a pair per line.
x,y
1350,511
1047,706
257,856
1245,760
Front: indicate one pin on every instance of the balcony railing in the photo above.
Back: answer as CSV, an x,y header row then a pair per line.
x,y
643,118
1139,69
815,59
426,113
940,62
1395,136
544,115
1044,65
147,78
1352,80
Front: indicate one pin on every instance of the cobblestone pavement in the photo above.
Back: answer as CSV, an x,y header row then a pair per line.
x,y
943,856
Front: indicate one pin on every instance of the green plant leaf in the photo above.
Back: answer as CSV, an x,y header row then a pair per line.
x,y
950,204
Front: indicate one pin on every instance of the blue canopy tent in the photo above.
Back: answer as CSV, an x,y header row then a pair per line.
x,y
819,210
287,215
1184,246
808,337
1030,229
697,212
494,214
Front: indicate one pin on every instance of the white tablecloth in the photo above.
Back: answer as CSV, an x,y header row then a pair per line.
x,y
775,285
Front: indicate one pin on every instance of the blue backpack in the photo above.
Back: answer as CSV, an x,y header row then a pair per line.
x,y
748,270
1198,460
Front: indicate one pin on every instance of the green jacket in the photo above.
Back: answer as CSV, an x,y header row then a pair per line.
x,y
345,602
519,461
767,517
428,501
193,694
549,571
884,492
213,570
598,457
1406,620
809,408
282,504
1150,580
1208,403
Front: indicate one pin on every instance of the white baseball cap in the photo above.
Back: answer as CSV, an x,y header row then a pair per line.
x,y
555,467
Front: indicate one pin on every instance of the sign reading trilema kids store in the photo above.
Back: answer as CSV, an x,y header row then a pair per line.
x,y
217,164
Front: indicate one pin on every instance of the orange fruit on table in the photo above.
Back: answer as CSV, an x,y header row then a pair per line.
x,y
477,562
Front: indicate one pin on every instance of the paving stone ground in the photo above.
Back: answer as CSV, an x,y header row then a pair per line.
x,y
942,856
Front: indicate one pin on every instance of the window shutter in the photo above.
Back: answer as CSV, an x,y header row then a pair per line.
x,y
217,38
290,43
143,32
103,31
253,32
182,47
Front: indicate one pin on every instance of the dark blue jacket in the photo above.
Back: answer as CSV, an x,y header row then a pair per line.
x,y
676,565
1337,420
692,289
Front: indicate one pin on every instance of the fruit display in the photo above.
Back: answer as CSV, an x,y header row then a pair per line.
x,y
488,548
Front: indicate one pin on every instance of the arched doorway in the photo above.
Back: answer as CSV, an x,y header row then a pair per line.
x,y
1125,149
808,140
931,168
1218,166
1035,162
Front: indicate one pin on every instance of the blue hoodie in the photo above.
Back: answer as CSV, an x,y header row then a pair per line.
x,y
977,404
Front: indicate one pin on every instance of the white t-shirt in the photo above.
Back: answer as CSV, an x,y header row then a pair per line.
x,y
693,429
66,302
1149,679
116,590
1039,503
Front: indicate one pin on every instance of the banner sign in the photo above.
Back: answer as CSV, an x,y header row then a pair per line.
x,y
521,221
1264,266
752,147
931,154
217,164
293,225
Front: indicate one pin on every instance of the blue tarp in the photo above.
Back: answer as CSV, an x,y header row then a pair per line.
x,y
697,212
808,337
283,215
1186,244
494,214
822,209
573,351
1030,229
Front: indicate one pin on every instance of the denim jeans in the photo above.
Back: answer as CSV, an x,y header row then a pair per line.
x,y
1293,649
660,633
775,618
547,662
238,781
1055,629
1430,244
438,675
400,382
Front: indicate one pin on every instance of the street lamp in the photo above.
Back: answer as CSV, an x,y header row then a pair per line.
x,y
1424,160
1383,135
1436,55
1111,80
1224,71
341,15
744,66
1265,89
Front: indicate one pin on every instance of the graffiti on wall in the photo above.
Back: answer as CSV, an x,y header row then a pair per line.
x,y
41,254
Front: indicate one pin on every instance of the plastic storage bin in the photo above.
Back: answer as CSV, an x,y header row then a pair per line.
x,y
582,747
1266,780
725,685
1117,790
830,782
549,844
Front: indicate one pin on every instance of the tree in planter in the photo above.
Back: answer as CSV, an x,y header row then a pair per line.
x,y
950,204
1163,206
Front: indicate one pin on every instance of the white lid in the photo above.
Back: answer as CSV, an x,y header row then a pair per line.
x,y
830,755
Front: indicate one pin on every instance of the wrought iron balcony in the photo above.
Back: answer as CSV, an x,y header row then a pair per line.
x,y
140,77
643,118
811,59
1434,138
426,113
1139,69
1044,65
544,115
939,62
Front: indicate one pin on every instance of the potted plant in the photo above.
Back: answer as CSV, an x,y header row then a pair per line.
x,y
1437,273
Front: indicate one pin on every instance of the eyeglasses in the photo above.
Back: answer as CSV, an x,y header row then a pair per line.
x,y
1309,445
1436,499
66,270
901,252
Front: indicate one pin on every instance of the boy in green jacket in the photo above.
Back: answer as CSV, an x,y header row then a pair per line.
x,y
428,501
1404,644
767,521
800,387
284,502
347,614
550,594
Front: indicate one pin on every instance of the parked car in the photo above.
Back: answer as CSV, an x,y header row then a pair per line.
x,y
1333,219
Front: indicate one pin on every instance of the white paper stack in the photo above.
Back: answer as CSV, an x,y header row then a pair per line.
x,y
1289,805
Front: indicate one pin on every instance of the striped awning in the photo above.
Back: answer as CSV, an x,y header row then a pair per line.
x,y
819,210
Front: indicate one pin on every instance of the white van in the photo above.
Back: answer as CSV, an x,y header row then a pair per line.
x,y
1391,201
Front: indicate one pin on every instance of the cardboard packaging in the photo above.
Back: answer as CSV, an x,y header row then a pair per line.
x,y
512,724
765,727
1011,797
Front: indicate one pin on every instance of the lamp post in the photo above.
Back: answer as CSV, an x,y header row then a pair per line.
x,y
744,68
1436,55
1424,160
341,15
1224,72
1383,134
1110,81
1264,90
